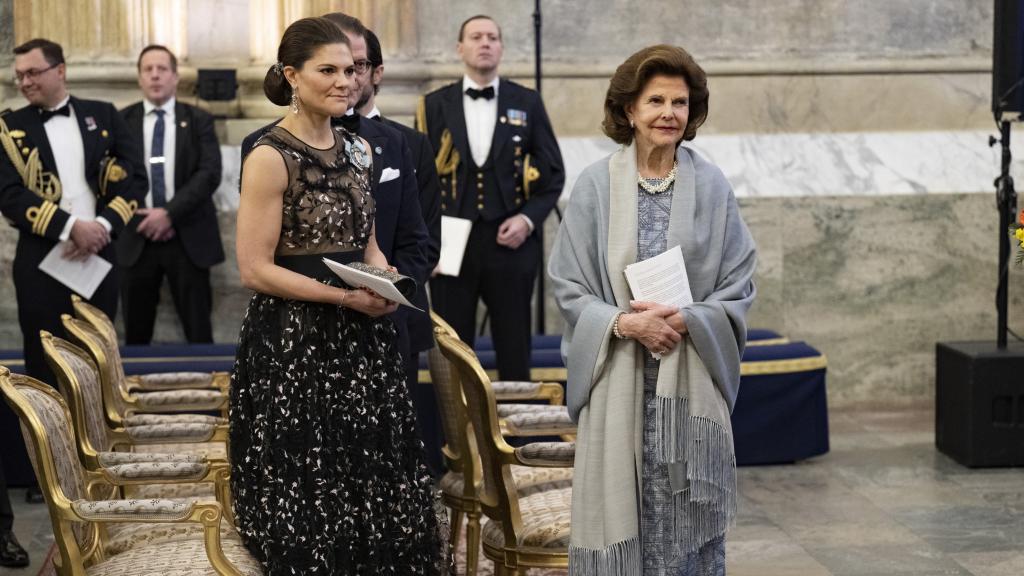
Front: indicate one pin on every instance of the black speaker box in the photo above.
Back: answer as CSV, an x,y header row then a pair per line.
x,y
979,403
1008,58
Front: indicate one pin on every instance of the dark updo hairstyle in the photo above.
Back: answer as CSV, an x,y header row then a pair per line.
x,y
632,76
301,39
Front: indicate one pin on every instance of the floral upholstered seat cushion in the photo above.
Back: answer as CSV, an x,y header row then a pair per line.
x,y
146,419
545,521
108,459
175,380
528,479
179,558
191,398
162,470
123,536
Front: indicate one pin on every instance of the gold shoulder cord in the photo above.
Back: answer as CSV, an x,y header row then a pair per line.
x,y
421,114
447,160
41,183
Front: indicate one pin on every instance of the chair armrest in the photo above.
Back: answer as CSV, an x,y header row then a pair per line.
x,y
546,454
143,419
171,381
155,510
179,400
108,459
506,390
546,420
156,472
171,433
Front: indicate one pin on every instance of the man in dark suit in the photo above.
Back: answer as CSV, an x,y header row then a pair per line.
x,y
400,229
176,234
500,167
70,178
420,329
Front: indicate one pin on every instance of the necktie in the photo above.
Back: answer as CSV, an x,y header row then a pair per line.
x,y
45,115
486,93
156,162
349,122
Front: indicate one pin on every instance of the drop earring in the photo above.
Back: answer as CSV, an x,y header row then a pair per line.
x,y
295,102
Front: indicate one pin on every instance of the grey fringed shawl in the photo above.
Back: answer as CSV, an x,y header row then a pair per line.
x,y
697,382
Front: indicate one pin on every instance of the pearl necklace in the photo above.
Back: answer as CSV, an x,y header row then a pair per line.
x,y
666,182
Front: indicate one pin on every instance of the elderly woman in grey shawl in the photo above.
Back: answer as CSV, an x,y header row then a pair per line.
x,y
652,385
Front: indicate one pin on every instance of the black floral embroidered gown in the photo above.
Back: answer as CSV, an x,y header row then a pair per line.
x,y
327,466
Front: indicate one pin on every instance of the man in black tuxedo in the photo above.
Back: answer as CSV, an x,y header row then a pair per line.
x,y
70,178
500,167
400,229
420,328
176,234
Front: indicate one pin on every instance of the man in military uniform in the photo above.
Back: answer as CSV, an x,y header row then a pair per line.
x,y
70,173
70,179
500,167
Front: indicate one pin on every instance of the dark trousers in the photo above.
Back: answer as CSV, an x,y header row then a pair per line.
x,y
504,279
190,290
41,301
6,513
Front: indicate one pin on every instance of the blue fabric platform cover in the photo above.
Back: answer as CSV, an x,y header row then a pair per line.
x,y
781,412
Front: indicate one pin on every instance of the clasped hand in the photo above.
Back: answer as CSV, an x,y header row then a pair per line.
x,y
369,302
87,237
657,327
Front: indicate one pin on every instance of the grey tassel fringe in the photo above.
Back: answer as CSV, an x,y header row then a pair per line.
x,y
620,559
707,508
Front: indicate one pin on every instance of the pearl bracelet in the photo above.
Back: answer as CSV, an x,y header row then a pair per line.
x,y
615,327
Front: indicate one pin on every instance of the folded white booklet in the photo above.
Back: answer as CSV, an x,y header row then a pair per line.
x,y
454,236
359,279
661,279
82,276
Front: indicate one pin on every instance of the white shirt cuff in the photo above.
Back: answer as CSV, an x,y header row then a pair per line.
x,y
528,222
105,224
66,232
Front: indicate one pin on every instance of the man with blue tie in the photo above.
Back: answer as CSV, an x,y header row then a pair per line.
x,y
176,235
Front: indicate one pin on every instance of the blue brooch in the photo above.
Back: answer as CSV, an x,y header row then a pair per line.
x,y
356,152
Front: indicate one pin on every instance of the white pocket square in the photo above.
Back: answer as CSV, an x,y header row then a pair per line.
x,y
389,174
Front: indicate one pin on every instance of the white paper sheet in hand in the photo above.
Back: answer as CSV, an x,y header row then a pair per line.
x,y
661,279
84,277
360,279
454,236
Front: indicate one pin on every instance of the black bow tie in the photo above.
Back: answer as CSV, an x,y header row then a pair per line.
x,y
486,93
349,122
378,118
45,115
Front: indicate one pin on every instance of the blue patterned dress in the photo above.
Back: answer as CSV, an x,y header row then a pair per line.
x,y
662,556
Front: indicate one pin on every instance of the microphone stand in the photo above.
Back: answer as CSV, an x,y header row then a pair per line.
x,y
1006,203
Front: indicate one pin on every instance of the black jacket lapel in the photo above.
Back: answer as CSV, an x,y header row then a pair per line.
x,y
90,138
34,126
182,125
455,120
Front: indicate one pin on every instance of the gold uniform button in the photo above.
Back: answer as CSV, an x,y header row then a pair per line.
x,y
480,185
519,201
479,176
480,206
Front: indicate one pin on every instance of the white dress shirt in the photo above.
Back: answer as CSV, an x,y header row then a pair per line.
x,y
481,116
170,128
69,155
373,113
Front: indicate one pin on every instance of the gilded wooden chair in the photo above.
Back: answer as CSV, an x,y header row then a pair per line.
x,y
78,520
125,407
156,382
100,446
523,530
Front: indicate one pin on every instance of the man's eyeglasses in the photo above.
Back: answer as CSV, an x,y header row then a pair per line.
x,y
362,66
31,73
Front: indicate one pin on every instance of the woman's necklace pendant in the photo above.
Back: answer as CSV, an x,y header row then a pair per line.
x,y
658,185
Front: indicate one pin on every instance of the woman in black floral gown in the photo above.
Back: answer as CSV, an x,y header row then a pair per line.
x,y
328,473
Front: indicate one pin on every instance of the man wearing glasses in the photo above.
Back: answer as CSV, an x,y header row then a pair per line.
x,y
400,229
71,176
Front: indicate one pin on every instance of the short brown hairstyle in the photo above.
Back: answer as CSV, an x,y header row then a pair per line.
x,y
52,51
462,28
348,24
152,47
632,76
